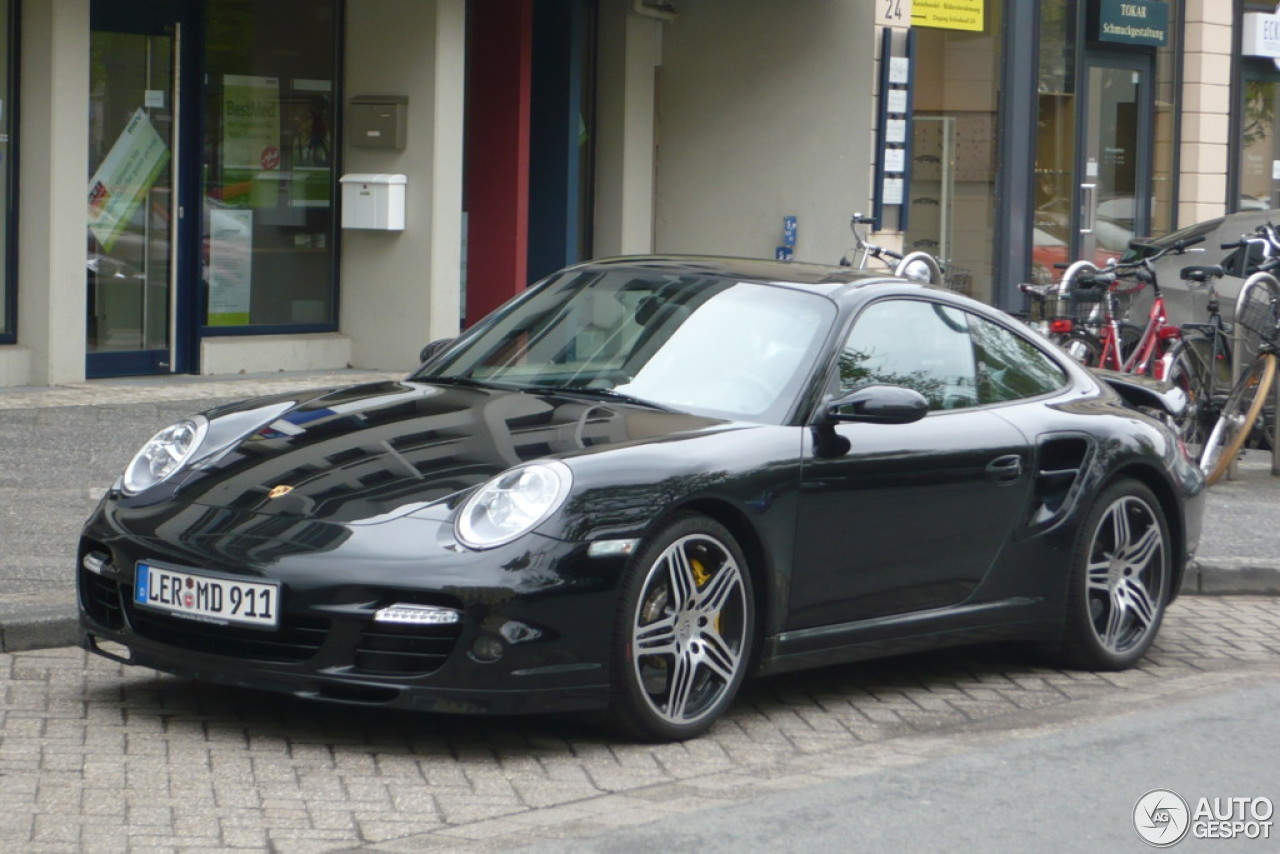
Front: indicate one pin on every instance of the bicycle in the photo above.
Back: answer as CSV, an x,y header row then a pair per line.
x,y
1259,314
1200,361
1119,345
917,266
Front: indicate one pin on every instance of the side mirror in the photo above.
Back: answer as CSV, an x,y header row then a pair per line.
x,y
432,349
877,404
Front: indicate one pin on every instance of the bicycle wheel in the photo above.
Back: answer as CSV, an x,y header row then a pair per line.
x,y
1189,372
1082,346
1238,416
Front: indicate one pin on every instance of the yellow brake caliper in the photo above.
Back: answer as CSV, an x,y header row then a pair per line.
x,y
700,578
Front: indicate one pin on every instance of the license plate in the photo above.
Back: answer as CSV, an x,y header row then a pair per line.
x,y
205,598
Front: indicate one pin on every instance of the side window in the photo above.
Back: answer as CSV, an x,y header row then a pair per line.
x,y
913,343
1009,366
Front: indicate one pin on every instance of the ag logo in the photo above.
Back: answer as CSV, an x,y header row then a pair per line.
x,y
277,491
1161,818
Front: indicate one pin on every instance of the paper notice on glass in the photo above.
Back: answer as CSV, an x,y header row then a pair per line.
x,y
899,70
124,177
895,131
891,194
895,160
230,266
897,102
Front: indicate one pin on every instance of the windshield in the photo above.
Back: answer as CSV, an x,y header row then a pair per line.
x,y
692,342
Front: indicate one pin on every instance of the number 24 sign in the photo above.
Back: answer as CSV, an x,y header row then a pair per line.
x,y
893,13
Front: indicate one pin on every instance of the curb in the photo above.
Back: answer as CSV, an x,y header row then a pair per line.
x,y
1228,576
44,622
28,622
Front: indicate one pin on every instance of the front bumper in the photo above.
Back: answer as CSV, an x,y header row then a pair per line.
x,y
534,633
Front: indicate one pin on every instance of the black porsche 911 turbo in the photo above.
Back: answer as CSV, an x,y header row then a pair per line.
x,y
642,481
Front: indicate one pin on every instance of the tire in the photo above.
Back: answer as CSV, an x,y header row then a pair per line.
x,y
1082,346
683,632
1121,580
1238,416
1188,372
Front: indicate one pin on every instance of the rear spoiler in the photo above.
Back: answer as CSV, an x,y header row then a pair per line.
x,y
1146,393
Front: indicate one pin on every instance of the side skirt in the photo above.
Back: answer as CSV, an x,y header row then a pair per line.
x,y
899,634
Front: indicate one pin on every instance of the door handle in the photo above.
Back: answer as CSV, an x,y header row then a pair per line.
x,y
1088,207
1006,469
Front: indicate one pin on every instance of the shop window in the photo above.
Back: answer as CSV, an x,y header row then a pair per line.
x,y
269,160
1259,146
8,148
955,125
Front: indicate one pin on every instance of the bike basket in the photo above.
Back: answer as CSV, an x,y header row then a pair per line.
x,y
958,279
1258,318
1082,306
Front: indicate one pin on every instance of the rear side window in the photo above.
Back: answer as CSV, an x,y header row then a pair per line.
x,y
954,358
1009,366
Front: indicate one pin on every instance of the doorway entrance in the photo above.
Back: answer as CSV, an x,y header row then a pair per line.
x,y
133,198
1114,193
1094,182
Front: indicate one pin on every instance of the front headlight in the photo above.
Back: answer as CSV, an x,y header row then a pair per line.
x,y
512,504
168,451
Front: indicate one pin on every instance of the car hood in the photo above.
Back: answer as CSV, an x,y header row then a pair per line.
x,y
371,452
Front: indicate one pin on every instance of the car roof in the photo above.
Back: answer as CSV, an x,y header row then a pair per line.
x,y
829,280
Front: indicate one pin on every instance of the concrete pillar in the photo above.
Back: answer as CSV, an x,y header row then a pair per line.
x,y
1206,111
53,136
402,289
630,50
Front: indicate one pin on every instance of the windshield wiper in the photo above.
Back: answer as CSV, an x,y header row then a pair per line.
x,y
604,394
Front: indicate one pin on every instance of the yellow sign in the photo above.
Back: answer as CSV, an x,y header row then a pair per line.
x,y
948,14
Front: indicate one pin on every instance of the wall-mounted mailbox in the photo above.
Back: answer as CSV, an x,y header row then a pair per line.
x,y
377,121
373,201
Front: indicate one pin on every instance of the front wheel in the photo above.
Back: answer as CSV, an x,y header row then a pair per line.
x,y
683,632
1237,418
1121,580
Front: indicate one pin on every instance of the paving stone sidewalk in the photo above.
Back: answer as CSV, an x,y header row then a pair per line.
x,y
95,757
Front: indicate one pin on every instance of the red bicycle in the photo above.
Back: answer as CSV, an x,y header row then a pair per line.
x,y
1098,333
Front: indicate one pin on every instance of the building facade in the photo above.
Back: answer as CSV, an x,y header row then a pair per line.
x,y
225,186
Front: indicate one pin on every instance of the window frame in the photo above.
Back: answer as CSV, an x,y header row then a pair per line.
x,y
9,287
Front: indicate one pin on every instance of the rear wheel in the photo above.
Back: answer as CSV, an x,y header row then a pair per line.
x,y
1082,346
683,632
1239,414
1121,579
1188,372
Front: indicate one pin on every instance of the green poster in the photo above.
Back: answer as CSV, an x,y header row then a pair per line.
x,y
121,182
250,122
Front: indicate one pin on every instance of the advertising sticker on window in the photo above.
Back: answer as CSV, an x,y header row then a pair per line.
x,y
230,266
127,173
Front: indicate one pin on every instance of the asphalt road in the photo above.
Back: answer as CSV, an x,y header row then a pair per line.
x,y
1072,788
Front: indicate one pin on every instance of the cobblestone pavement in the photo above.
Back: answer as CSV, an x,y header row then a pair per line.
x,y
95,757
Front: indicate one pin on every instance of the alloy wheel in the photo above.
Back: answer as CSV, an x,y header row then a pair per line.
x,y
1126,574
689,635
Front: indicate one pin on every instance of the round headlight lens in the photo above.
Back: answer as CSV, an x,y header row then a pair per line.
x,y
512,504
168,451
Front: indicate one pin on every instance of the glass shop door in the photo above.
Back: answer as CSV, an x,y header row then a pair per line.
x,y
1114,190
131,259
